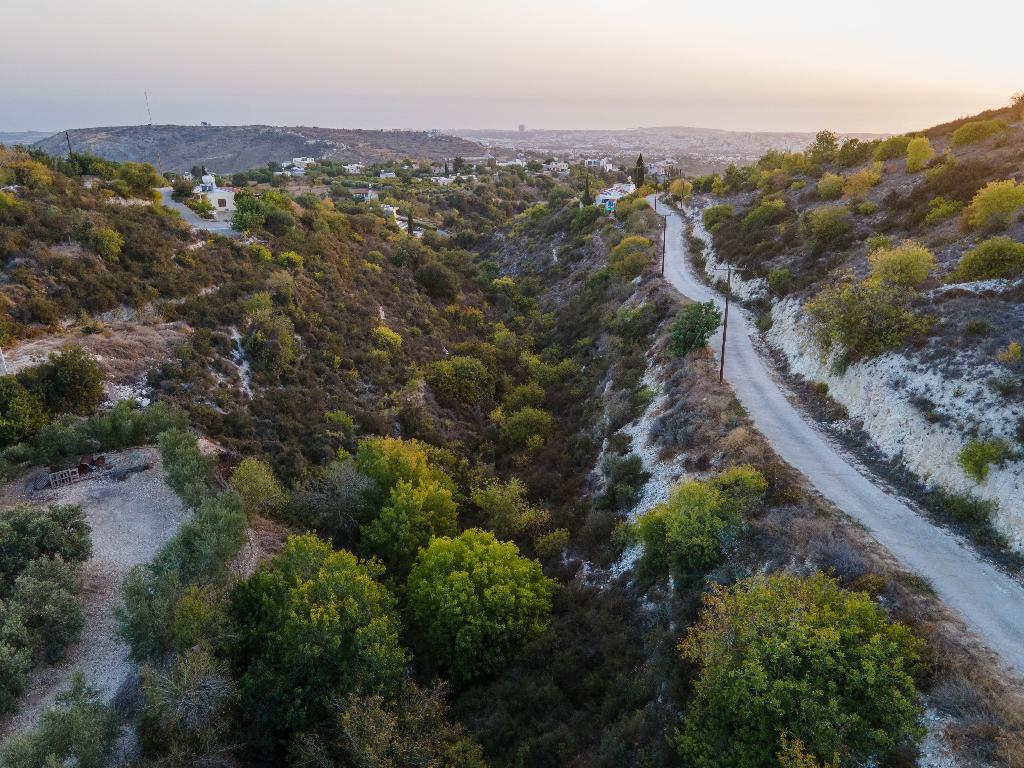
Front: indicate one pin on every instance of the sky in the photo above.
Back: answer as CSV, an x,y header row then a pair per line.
x,y
793,65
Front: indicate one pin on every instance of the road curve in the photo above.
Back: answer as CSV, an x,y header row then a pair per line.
x,y
990,602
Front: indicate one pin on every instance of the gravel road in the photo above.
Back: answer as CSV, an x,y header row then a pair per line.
x,y
990,602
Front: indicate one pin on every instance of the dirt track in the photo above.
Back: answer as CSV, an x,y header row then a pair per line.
x,y
130,521
991,603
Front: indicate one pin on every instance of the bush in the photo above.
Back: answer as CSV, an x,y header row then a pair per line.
x,y
878,241
826,228
291,260
908,264
80,730
940,209
865,319
766,212
966,507
388,460
717,215
995,205
830,186
261,492
780,281
1011,354
978,130
692,531
978,455
693,326
107,242
22,413
858,184
891,148
527,427
506,510
630,256
311,625
997,257
187,470
472,602
29,533
783,654
386,338
919,154
70,381
438,280
460,380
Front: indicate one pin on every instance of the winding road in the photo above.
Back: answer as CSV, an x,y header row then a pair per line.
x,y
989,601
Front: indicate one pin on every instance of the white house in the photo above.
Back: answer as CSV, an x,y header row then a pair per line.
x,y
353,168
557,166
302,162
220,199
366,194
387,174
607,198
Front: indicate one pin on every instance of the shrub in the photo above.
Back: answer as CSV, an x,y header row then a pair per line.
x,y
966,507
891,148
780,281
997,257
717,215
388,460
290,260
693,326
908,264
387,338
680,189
630,256
527,427
995,205
70,381
826,228
311,625
867,208
261,492
22,413
188,471
830,186
878,241
261,252
768,211
460,380
1012,353
692,531
506,510
438,280
80,730
858,184
978,130
940,208
472,602
107,242
44,605
29,533
919,154
15,664
270,342
977,456
865,319
583,220
782,654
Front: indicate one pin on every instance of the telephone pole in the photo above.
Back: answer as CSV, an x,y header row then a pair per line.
x,y
664,239
728,269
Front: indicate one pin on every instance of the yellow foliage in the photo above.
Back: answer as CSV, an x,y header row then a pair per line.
x,y
919,154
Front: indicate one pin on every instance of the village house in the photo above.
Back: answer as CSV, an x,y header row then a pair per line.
x,y
607,198
353,168
365,194
220,199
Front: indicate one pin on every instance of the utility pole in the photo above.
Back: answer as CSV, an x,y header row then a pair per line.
x,y
729,269
71,155
664,240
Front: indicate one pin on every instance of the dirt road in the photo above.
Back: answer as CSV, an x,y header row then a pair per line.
x,y
991,603
194,219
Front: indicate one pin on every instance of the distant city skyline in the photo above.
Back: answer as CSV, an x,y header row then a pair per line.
x,y
880,67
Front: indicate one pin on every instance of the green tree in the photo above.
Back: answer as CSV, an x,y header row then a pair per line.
x,y
70,381
413,516
826,228
588,196
311,626
473,602
639,171
460,380
388,460
693,326
692,530
783,654
824,148
22,413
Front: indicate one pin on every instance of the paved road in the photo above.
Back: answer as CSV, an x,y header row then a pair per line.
x,y
991,603
195,220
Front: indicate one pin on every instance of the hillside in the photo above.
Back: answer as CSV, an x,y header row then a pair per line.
x,y
887,277
231,148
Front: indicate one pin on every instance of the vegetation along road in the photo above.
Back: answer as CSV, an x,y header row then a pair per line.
x,y
194,219
990,602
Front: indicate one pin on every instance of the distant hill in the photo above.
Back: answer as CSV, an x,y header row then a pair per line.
x,y
231,148
11,138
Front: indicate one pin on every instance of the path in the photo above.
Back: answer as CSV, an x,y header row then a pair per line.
x,y
194,219
990,602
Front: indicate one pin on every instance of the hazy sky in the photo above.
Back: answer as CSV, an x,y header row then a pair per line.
x,y
872,65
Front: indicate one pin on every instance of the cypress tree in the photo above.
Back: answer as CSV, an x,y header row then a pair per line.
x,y
588,198
410,220
640,171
